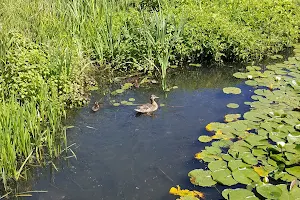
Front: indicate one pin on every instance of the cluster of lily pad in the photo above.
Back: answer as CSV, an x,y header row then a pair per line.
x,y
261,151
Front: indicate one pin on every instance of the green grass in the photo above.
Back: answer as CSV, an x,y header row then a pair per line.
x,y
133,35
30,133
56,43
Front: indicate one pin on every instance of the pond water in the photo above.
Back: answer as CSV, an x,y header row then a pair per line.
x,y
121,156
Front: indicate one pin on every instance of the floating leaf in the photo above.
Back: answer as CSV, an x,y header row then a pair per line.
x,y
119,91
217,165
232,117
224,177
116,104
232,90
294,171
124,102
201,177
131,99
240,175
251,83
127,86
237,164
204,138
232,105
240,75
238,194
162,105
247,157
206,156
214,126
179,192
260,171
269,191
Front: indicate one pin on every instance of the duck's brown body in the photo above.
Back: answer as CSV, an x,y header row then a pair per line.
x,y
149,107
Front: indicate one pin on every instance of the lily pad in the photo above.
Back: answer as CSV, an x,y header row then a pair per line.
x,y
245,175
269,191
238,194
131,99
124,102
201,177
232,90
116,104
294,171
232,105
251,82
204,138
127,86
240,75
232,117
224,177
119,91
217,165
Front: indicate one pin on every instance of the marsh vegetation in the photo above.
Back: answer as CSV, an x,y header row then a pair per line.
x,y
51,50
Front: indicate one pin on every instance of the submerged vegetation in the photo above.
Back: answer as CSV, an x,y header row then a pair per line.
x,y
49,48
260,151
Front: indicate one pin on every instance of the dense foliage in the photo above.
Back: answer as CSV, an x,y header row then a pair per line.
x,y
142,35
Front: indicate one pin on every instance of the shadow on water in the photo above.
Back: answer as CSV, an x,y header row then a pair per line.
x,y
121,156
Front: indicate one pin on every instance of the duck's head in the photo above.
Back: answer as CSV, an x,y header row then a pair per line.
x,y
152,97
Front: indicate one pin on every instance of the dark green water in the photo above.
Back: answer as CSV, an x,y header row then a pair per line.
x,y
121,156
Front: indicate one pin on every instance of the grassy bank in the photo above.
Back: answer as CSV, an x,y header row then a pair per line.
x,y
148,35
47,49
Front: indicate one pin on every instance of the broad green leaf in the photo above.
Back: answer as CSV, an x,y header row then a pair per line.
x,y
247,157
237,164
201,177
224,177
269,191
217,165
295,171
232,105
204,138
238,194
232,90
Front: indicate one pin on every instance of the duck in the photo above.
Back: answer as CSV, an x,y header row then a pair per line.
x,y
148,107
134,80
96,106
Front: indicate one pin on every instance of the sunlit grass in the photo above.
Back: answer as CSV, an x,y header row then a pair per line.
x,y
30,133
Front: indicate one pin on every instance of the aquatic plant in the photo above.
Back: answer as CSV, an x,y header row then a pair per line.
x,y
260,151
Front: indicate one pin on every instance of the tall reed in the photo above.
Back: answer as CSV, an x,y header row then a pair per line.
x,y
30,132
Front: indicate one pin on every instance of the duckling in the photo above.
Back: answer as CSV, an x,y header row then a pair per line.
x,y
149,107
96,106
136,84
134,80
